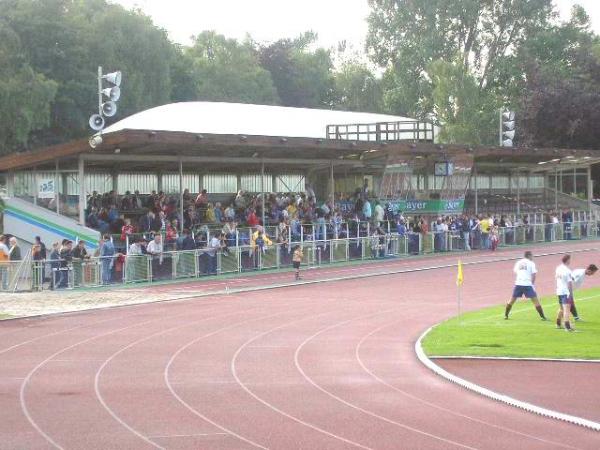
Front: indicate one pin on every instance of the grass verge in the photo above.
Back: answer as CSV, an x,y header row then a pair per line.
x,y
486,333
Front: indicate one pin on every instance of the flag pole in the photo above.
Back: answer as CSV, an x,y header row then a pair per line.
x,y
459,288
459,283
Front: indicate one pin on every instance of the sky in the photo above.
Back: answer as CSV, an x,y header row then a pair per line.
x,y
269,20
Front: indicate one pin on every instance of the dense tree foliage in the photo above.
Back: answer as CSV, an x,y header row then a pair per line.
x,y
456,62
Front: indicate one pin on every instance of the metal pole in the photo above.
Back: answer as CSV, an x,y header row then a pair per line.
x,y
575,182
100,90
518,194
56,188
556,190
82,195
332,188
262,194
180,195
35,187
590,190
476,193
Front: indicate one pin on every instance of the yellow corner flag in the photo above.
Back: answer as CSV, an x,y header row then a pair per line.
x,y
459,275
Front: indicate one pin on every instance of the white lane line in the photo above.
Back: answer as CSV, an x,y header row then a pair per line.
x,y
497,396
511,358
270,405
436,406
351,405
98,374
166,377
188,435
22,393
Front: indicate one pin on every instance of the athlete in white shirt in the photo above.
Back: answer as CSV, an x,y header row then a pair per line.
x,y
578,275
564,291
525,272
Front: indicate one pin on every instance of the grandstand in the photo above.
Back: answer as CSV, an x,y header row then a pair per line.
x,y
226,148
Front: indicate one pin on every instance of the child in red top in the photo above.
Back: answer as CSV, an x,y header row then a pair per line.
x,y
126,230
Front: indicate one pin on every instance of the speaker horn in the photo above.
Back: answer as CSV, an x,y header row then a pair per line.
x,y
95,141
109,109
96,122
113,93
114,78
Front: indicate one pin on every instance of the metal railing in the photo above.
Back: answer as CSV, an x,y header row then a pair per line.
x,y
199,263
383,131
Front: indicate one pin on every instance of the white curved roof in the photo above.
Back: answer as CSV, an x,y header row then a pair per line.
x,y
245,119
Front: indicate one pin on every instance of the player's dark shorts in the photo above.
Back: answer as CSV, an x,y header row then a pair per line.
x,y
527,291
296,264
565,300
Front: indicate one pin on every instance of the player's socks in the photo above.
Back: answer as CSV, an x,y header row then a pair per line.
x,y
507,310
568,325
540,311
558,323
574,311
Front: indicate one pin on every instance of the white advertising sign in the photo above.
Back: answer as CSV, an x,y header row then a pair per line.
x,y
46,188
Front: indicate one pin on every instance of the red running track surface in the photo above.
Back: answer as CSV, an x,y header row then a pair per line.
x,y
322,366
578,396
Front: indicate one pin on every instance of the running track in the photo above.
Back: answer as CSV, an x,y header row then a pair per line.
x,y
320,366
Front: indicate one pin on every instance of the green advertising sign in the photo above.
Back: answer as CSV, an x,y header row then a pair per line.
x,y
428,206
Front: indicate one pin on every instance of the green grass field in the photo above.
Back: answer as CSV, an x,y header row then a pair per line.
x,y
486,333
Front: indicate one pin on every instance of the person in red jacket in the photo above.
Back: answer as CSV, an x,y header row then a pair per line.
x,y
252,219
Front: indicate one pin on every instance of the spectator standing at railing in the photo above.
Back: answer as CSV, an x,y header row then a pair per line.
x,y
66,258
213,248
186,242
484,227
38,252
4,258
15,250
80,254
107,255
135,249
55,265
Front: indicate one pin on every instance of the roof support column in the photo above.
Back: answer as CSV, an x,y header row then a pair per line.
x,y
332,181
180,195
10,183
34,189
476,191
56,189
82,194
518,195
590,191
262,191
556,190
575,182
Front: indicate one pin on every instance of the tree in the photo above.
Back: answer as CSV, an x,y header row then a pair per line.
x,y
303,78
25,95
66,40
408,37
222,69
356,88
468,114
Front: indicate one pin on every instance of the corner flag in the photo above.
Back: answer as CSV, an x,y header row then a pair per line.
x,y
459,275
